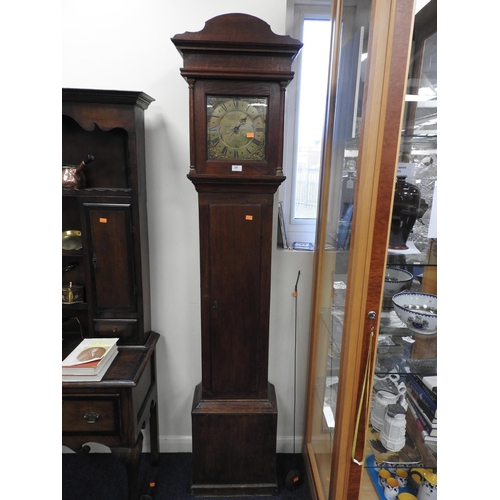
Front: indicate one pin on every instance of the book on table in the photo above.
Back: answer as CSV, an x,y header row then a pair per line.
x,y
90,357
92,377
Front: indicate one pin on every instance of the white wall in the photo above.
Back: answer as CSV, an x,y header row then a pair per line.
x,y
125,45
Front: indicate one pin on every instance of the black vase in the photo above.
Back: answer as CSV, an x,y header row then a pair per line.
x,y
405,212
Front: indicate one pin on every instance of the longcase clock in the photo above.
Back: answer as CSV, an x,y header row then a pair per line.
x,y
237,70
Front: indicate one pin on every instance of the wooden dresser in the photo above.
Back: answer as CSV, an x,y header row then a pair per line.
x,y
108,260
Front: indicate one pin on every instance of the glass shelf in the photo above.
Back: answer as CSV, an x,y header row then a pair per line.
x,y
409,454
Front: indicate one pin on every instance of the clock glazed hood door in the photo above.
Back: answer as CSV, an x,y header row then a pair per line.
x,y
246,64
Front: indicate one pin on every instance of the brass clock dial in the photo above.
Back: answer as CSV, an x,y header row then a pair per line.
x,y
236,128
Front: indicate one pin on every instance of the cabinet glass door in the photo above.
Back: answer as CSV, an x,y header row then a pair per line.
x,y
334,238
364,116
406,355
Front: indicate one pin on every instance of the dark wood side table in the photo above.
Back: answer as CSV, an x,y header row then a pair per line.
x,y
113,412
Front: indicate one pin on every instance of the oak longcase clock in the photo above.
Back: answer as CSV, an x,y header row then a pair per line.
x,y
237,70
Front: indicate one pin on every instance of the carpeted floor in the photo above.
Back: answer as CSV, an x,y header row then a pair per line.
x,y
100,476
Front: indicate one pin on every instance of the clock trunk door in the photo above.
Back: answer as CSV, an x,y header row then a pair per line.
x,y
235,284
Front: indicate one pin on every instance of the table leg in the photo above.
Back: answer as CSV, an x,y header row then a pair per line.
x,y
131,457
153,433
148,491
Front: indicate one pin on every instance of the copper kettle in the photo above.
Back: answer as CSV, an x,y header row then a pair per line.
x,y
73,176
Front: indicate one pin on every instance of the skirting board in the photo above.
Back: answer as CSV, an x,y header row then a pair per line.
x,y
182,444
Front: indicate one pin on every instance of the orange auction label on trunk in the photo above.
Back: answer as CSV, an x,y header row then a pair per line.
x,y
103,220
248,217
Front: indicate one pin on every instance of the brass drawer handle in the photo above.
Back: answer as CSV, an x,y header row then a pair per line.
x,y
91,417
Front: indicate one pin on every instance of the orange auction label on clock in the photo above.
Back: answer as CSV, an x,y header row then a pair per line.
x,y
250,135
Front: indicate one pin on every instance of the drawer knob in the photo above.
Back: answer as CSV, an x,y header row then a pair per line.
x,y
91,417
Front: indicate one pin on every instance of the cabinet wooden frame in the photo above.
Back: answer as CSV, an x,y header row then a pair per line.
x,y
389,48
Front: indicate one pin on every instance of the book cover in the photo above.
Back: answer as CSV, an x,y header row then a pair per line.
x,y
92,377
282,237
420,422
430,428
419,380
430,411
90,368
344,228
88,351
424,408
299,245
414,396
431,382
427,404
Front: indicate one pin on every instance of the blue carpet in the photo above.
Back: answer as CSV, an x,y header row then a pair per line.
x,y
100,476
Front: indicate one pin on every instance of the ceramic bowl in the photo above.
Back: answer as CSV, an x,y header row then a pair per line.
x,y
417,310
396,280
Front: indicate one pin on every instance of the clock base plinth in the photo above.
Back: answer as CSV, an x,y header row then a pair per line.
x,y
234,446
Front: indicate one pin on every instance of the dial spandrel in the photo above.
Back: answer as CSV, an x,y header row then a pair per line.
x,y
236,128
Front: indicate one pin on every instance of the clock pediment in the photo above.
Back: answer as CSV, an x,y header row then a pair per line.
x,y
227,44
241,32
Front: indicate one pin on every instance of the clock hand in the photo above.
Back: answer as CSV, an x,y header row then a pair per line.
x,y
236,129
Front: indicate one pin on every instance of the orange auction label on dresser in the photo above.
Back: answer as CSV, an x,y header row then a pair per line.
x,y
103,220
248,217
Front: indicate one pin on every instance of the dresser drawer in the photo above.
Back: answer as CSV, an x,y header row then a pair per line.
x,y
121,328
91,414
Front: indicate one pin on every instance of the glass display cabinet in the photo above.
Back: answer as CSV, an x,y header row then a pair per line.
x,y
367,367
